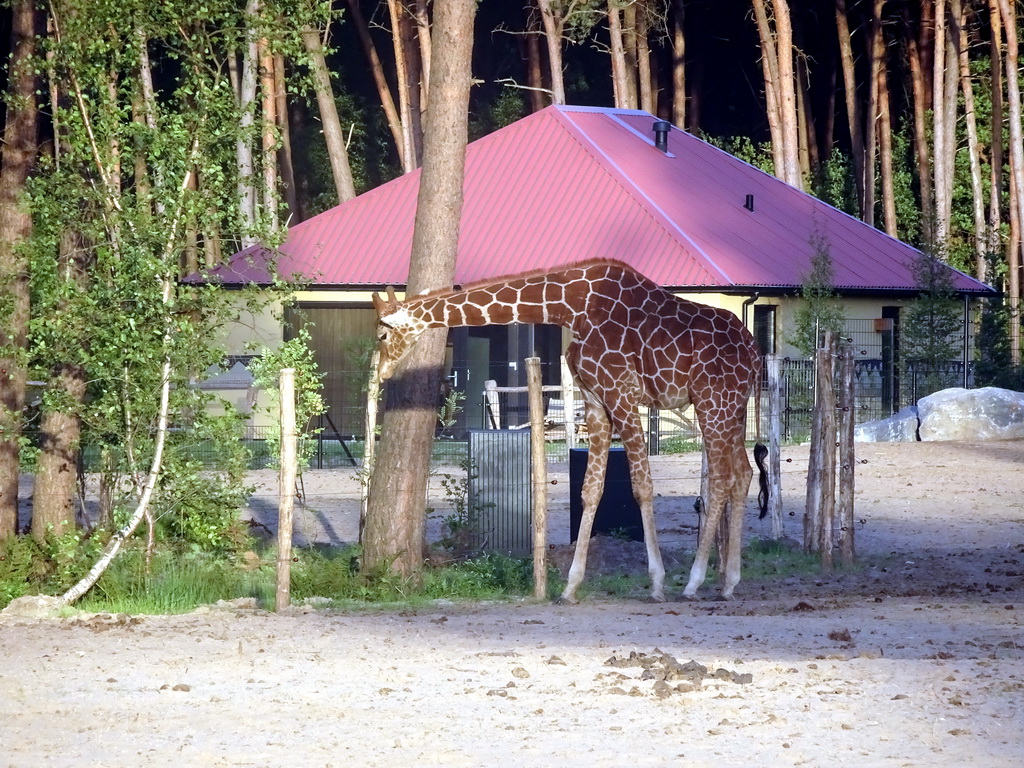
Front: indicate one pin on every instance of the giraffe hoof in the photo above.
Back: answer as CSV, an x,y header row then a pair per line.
x,y
690,598
725,598
566,600
655,599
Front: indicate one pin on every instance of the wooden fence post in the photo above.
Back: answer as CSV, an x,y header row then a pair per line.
x,y
286,491
821,473
775,444
847,458
539,473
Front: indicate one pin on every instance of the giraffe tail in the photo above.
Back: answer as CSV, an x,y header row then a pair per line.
x,y
760,458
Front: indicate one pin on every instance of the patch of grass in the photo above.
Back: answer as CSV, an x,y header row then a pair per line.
x,y
176,582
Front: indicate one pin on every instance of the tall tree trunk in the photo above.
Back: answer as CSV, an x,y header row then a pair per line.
x,y
20,146
777,46
395,516
959,20
553,26
246,105
916,54
678,64
996,158
268,133
284,154
1013,100
852,103
629,45
410,159
60,428
770,70
645,77
387,101
876,56
943,136
620,67
333,135
422,18
534,69
885,160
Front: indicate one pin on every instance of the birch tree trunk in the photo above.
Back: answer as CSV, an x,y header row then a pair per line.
x,y
393,536
333,134
20,146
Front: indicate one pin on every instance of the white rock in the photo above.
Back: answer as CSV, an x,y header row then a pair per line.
x,y
988,413
899,428
34,607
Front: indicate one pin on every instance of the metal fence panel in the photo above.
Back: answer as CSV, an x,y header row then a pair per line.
x,y
500,490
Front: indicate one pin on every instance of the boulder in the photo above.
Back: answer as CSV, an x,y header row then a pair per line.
x,y
899,428
988,413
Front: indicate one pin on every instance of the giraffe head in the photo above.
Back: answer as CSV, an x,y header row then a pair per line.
x,y
397,329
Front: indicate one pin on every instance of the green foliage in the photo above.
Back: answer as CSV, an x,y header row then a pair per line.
x,y
743,147
462,535
295,353
819,311
833,182
932,325
28,567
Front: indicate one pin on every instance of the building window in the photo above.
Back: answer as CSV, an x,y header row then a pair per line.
x,y
764,328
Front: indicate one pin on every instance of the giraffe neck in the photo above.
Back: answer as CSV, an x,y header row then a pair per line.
x,y
531,299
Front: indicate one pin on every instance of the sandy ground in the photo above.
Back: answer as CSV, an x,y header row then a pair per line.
x,y
915,659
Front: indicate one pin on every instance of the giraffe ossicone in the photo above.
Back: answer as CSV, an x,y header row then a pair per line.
x,y
633,343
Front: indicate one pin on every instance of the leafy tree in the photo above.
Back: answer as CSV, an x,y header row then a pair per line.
x,y
819,311
932,329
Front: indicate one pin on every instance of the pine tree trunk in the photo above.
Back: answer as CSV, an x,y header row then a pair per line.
x,y
534,70
410,159
942,131
60,429
1013,100
770,70
959,18
20,145
678,64
620,73
780,88
876,54
885,160
393,536
853,117
920,91
996,158
268,159
553,36
645,77
377,71
243,146
284,153
333,134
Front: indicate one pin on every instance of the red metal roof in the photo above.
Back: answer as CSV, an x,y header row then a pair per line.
x,y
572,183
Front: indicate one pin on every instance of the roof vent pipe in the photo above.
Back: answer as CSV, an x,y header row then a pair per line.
x,y
661,129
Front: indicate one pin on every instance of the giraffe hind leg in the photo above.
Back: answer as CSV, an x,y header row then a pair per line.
x,y
643,491
593,488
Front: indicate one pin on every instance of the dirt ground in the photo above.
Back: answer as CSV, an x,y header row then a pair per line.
x,y
916,659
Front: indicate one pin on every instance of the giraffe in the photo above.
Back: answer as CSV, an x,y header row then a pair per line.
x,y
633,343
